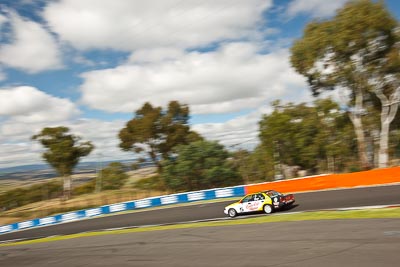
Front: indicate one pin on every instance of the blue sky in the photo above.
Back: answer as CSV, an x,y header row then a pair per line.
x,y
88,64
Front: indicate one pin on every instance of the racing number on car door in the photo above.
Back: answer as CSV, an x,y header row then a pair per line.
x,y
255,203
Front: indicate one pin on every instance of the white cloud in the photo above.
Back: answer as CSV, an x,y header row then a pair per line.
x,y
3,76
130,25
17,148
3,19
104,136
28,104
23,153
81,60
233,78
155,55
31,48
316,8
240,132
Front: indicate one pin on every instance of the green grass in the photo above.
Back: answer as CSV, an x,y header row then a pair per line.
x,y
305,216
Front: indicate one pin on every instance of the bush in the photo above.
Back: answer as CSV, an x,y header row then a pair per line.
x,y
85,188
22,196
199,165
113,177
150,183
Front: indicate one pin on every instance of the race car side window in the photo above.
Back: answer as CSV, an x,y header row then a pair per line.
x,y
247,198
260,196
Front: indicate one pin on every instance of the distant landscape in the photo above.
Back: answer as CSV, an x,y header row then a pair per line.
x,y
44,171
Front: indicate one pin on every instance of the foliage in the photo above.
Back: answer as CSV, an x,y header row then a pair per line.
x,y
255,166
135,166
157,131
22,196
301,135
113,176
151,183
358,50
85,188
199,165
360,33
63,150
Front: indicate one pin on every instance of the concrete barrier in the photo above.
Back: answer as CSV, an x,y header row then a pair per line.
x,y
330,181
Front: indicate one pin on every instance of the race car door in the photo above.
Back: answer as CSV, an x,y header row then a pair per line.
x,y
255,203
244,202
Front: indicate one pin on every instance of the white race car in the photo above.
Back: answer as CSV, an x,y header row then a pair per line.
x,y
267,201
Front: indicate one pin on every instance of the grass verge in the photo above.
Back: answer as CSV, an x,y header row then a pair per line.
x,y
305,216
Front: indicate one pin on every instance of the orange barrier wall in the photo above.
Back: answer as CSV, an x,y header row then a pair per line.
x,y
330,181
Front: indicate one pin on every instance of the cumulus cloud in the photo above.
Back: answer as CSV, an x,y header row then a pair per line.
x,y
240,132
316,8
28,104
17,148
130,25
31,48
22,153
3,19
233,78
3,76
25,111
104,136
155,55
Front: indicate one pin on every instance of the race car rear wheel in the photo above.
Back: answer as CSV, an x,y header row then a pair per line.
x,y
268,209
232,213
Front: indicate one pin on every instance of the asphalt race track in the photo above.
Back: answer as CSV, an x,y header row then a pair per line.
x,y
383,195
367,243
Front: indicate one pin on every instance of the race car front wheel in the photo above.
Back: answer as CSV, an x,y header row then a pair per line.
x,y
268,209
232,213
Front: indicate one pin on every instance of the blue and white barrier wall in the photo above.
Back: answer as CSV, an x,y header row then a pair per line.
x,y
210,194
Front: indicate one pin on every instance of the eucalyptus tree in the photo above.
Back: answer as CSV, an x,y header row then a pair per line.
x,y
156,131
290,131
254,166
307,135
356,52
63,152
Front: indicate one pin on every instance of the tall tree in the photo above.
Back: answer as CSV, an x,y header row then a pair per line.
x,y
305,136
357,51
63,152
143,132
290,130
156,132
335,135
254,166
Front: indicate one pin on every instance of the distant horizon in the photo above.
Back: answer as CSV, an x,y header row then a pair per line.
x,y
45,166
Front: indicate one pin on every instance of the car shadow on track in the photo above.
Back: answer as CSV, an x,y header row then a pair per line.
x,y
260,213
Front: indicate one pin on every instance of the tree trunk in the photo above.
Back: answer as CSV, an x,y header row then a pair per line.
x,y
383,157
388,113
153,156
67,187
355,117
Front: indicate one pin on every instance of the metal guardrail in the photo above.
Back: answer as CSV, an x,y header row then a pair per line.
x,y
210,194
